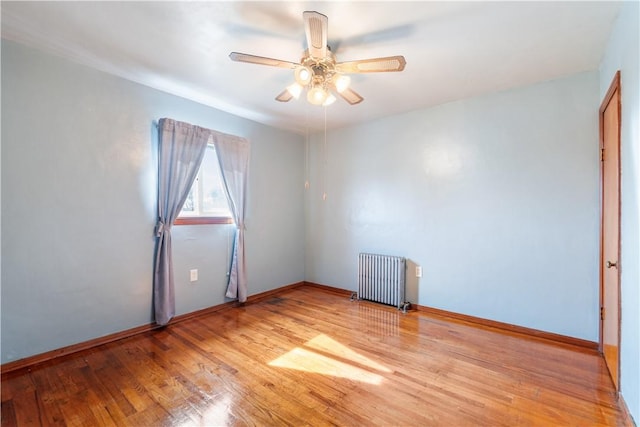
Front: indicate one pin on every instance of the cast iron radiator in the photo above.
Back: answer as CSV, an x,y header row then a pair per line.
x,y
381,278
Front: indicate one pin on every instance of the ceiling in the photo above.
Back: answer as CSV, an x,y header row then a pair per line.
x,y
454,50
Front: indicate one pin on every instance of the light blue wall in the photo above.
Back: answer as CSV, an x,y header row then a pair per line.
x,y
622,54
495,197
78,205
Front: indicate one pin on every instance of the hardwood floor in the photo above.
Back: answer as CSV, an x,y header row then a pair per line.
x,y
310,357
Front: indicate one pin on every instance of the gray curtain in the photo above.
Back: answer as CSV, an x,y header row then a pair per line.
x,y
181,147
233,156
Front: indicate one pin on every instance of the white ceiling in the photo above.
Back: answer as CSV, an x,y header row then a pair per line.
x,y
454,50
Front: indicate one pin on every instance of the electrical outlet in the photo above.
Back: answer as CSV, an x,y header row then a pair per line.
x,y
193,275
418,271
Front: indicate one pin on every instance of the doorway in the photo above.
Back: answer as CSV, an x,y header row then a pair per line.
x,y
610,229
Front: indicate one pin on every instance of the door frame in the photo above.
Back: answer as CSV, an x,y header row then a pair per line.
x,y
613,87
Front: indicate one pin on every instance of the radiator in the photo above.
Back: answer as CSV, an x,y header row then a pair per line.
x,y
381,278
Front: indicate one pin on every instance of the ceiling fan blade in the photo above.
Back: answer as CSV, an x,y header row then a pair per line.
x,y
373,65
261,60
285,96
351,96
315,27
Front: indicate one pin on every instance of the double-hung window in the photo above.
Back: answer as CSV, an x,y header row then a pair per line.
x,y
207,202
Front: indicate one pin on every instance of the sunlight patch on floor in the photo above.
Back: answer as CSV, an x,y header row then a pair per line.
x,y
315,356
328,345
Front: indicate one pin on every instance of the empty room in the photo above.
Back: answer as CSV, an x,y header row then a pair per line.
x,y
355,213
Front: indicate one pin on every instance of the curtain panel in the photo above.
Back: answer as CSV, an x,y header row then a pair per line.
x,y
181,147
233,156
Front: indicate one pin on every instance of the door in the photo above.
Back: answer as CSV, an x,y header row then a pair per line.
x,y
610,230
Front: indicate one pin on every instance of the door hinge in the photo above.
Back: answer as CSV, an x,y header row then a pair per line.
x,y
601,313
602,154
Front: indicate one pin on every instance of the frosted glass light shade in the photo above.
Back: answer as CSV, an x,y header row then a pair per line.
x,y
295,90
317,95
302,75
342,82
330,100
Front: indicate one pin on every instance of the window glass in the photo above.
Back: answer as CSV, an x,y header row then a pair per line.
x,y
207,197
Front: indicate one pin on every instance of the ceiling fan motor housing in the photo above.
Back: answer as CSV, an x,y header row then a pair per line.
x,y
322,69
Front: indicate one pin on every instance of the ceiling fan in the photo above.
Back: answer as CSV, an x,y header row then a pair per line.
x,y
318,70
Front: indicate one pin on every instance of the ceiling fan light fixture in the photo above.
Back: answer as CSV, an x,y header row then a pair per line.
x,y
295,90
318,71
341,82
303,75
317,95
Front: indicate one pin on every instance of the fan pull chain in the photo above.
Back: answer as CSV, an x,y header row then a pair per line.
x,y
324,168
306,150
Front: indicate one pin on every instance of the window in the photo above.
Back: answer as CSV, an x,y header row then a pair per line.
x,y
206,202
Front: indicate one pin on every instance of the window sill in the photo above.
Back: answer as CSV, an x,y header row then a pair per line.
x,y
200,220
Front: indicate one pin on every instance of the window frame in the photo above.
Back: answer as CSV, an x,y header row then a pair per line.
x,y
202,219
